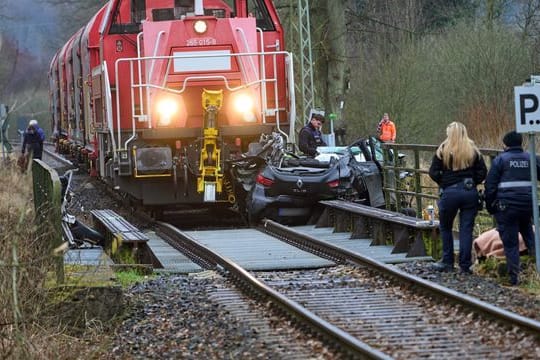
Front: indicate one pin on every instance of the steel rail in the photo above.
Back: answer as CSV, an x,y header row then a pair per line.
x,y
309,243
203,255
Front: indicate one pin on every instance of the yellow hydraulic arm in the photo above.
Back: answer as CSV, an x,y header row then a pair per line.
x,y
210,172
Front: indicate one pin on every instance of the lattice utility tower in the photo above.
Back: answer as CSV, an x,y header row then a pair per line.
x,y
6,147
300,45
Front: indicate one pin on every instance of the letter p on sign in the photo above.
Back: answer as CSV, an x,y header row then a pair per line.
x,y
527,102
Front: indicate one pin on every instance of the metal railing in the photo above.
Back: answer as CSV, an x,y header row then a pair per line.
x,y
256,79
47,204
416,188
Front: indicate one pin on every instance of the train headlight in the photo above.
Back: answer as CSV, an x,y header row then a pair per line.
x,y
243,103
200,26
166,109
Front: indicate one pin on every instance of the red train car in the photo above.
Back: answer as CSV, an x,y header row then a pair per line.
x,y
157,95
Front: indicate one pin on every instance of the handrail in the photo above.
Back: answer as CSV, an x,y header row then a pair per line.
x,y
47,191
260,82
246,45
153,63
139,68
133,134
292,101
108,107
392,168
149,77
263,72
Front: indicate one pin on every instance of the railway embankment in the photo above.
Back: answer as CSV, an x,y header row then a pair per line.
x,y
182,316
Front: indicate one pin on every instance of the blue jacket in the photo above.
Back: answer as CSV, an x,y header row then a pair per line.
x,y
509,179
33,138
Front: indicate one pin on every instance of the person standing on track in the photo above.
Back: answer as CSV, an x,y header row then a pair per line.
x,y
457,167
33,139
509,199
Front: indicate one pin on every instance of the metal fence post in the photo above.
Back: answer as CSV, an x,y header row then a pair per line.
x,y
417,182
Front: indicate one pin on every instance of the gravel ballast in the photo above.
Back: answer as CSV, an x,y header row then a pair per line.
x,y
171,316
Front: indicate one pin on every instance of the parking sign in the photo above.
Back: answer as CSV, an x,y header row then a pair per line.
x,y
527,102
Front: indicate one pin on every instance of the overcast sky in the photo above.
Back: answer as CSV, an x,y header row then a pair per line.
x,y
32,24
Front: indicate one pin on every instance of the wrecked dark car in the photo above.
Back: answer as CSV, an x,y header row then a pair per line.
x,y
287,188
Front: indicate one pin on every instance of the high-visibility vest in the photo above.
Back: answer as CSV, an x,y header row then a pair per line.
x,y
388,131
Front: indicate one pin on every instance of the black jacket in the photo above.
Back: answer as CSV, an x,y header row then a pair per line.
x,y
310,139
445,177
509,179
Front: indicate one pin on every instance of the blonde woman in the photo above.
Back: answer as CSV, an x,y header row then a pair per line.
x,y
457,167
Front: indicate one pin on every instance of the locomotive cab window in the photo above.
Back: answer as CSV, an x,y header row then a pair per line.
x,y
231,5
164,14
127,17
183,8
258,9
138,11
219,13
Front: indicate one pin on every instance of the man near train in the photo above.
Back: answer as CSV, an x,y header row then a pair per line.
x,y
311,136
33,140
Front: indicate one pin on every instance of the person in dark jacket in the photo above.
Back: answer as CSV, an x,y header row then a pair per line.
x,y
509,198
33,140
311,137
457,167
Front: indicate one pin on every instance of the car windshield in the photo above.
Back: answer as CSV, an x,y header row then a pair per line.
x,y
377,147
326,153
338,150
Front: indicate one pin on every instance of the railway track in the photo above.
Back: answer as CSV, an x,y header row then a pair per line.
x,y
367,309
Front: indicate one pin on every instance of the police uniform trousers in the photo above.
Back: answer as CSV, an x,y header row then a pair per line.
x,y
456,198
510,222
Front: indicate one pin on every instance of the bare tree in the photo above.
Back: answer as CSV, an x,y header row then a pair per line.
x,y
335,46
28,40
528,21
74,15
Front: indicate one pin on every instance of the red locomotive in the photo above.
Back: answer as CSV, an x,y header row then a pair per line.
x,y
157,95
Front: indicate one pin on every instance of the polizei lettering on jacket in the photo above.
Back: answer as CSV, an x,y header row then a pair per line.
x,y
519,164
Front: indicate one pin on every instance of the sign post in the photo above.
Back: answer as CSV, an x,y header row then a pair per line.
x,y
527,100
331,137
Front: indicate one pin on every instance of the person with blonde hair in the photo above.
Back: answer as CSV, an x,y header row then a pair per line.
x,y
457,167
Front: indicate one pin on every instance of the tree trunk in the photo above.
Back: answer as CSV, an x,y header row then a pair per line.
x,y
335,41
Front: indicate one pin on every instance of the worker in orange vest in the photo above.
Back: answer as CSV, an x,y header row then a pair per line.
x,y
386,129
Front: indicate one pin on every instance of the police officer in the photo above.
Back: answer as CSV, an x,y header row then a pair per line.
x,y
311,137
457,167
33,140
508,198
